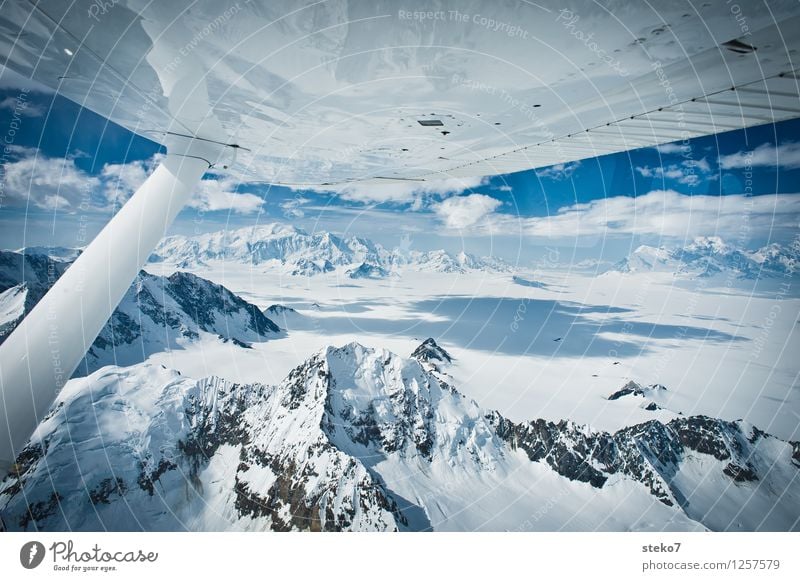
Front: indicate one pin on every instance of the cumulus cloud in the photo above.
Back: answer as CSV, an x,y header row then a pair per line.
x,y
122,179
661,213
461,212
220,193
35,180
38,181
784,156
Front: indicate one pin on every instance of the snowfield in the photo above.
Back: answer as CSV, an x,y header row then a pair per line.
x,y
362,439
412,397
724,346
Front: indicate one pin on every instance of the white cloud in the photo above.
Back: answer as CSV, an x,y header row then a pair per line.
x,y
219,194
461,212
47,183
505,188
689,172
291,208
400,192
784,156
661,213
21,107
672,148
53,183
122,179
560,171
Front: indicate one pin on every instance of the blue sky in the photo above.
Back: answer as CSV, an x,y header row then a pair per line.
x,y
66,170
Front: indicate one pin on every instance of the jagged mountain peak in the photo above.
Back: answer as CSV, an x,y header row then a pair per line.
x,y
430,351
357,438
711,255
278,310
634,389
367,270
708,244
156,313
300,253
61,253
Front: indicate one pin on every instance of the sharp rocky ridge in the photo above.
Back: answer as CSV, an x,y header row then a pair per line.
x,y
709,256
296,252
363,439
157,313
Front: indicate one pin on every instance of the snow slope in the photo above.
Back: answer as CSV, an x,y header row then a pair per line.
x,y
157,313
710,255
362,439
295,252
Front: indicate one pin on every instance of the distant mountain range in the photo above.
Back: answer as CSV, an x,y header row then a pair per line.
x,y
710,255
362,439
62,253
157,313
296,252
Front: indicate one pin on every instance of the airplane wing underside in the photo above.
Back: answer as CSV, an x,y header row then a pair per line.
x,y
336,92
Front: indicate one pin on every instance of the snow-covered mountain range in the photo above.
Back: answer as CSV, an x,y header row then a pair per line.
x,y
62,253
296,252
156,314
363,439
710,255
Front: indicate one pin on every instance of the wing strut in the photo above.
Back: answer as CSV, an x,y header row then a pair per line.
x,y
43,352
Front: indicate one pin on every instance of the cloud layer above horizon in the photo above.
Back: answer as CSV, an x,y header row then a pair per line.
x,y
658,214
476,207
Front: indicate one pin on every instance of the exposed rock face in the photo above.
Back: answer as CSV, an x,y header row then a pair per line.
x,y
634,389
300,253
361,439
429,350
650,453
367,270
34,269
432,356
306,267
710,255
154,314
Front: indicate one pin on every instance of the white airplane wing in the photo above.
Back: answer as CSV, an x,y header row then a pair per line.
x,y
330,92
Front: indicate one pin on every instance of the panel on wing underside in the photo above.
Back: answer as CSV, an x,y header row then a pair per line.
x,y
346,90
